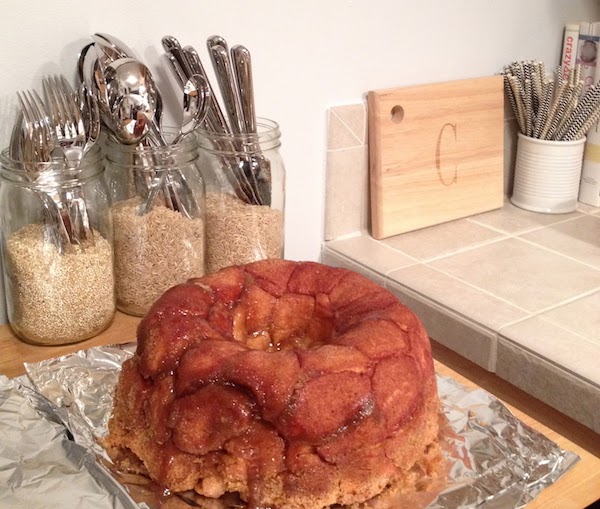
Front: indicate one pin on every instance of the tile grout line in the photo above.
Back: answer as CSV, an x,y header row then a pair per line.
x,y
497,334
554,324
466,283
466,249
528,313
485,292
568,301
556,364
361,142
558,253
426,262
336,150
428,299
527,230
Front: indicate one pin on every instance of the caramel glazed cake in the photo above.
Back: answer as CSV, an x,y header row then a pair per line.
x,y
294,384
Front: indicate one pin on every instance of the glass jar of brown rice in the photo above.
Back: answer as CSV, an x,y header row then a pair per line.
x,y
158,212
57,248
245,195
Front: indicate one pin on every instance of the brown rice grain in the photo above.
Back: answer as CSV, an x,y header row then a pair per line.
x,y
153,252
239,233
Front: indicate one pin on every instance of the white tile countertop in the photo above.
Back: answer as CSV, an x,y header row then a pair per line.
x,y
514,291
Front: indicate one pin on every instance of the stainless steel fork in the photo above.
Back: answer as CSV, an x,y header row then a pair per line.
x,y
37,148
37,126
67,117
70,113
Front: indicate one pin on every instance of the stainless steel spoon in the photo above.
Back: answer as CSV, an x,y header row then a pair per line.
x,y
196,101
112,47
131,118
130,77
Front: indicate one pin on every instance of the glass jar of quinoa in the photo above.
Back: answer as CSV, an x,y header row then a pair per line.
x,y
57,248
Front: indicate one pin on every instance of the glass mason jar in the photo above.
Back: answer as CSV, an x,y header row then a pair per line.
x,y
158,216
245,195
57,248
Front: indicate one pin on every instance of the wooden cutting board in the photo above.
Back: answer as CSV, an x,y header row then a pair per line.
x,y
435,153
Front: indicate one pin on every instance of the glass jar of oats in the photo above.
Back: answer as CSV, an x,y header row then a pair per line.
x,y
158,216
57,248
245,195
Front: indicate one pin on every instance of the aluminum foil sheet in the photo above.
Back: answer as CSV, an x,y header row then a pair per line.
x,y
40,467
57,414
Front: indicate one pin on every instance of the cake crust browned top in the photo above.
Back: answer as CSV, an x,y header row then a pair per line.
x,y
295,384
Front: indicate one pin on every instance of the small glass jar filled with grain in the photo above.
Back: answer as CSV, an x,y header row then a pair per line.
x,y
245,195
57,248
158,216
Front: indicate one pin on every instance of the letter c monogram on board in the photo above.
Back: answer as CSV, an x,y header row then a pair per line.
x,y
438,151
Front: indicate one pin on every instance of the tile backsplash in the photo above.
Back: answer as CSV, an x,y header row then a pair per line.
x,y
347,197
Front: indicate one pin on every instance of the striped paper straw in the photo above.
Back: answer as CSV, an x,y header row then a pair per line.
x,y
511,99
583,110
528,108
553,108
575,93
576,134
566,100
520,112
538,84
542,114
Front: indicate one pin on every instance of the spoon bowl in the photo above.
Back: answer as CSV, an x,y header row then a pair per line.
x,y
130,88
132,116
196,100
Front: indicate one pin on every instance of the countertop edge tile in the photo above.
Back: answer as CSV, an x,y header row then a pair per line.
x,y
363,249
550,383
335,259
465,337
469,339
561,371
465,300
556,345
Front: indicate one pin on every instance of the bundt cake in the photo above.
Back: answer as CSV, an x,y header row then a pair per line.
x,y
295,384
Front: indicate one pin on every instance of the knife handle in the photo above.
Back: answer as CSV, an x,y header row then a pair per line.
x,y
242,66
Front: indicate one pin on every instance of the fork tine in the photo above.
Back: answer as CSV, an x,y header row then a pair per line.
x,y
63,117
42,123
74,110
52,101
33,128
25,110
28,154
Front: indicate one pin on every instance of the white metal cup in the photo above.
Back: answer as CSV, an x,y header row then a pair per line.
x,y
547,174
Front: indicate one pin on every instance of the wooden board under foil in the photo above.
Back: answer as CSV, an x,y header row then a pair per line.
x,y
435,153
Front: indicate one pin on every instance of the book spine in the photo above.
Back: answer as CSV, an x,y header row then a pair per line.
x,y
569,48
587,52
589,186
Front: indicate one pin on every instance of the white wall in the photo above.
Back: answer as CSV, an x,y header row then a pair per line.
x,y
308,55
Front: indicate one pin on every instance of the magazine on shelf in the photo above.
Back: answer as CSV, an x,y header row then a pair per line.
x,y
589,185
581,45
588,42
569,48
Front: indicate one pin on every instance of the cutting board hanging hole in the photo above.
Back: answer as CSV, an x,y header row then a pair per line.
x,y
397,114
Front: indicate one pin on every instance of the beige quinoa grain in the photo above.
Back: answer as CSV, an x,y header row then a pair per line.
x,y
239,233
153,252
58,298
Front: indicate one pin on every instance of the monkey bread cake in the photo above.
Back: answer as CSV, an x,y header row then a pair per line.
x,y
294,384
